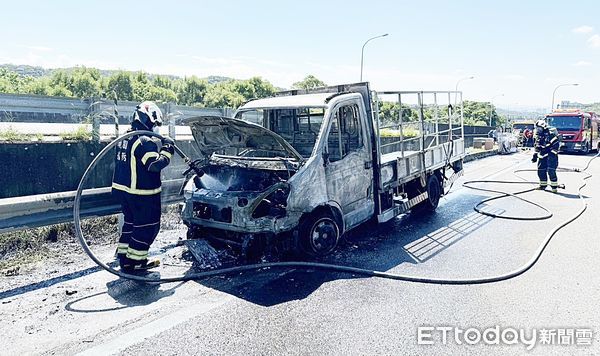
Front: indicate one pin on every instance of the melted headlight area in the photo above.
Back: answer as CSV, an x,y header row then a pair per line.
x,y
273,204
212,212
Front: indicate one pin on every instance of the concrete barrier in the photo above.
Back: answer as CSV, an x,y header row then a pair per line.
x,y
50,167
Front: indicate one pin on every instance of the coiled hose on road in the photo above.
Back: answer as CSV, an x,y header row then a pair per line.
x,y
339,268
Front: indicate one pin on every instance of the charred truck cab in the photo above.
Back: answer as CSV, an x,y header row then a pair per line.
x,y
298,170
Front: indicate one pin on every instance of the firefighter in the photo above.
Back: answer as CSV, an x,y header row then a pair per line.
x,y
546,154
137,185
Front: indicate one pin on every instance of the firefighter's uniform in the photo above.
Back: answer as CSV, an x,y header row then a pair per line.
x,y
546,153
137,186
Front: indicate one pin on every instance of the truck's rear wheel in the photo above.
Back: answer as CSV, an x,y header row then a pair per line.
x,y
434,192
318,234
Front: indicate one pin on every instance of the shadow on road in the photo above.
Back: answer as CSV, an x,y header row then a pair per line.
x,y
411,238
128,293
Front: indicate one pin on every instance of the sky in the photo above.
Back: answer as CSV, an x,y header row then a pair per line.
x,y
517,51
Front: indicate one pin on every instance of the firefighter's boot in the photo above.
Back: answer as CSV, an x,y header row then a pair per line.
x,y
129,265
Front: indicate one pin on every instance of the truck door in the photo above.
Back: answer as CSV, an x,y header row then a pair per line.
x,y
348,167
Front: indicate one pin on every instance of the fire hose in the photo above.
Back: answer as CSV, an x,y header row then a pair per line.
x,y
333,267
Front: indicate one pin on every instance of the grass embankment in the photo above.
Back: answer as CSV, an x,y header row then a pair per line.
x,y
24,247
19,248
12,135
406,132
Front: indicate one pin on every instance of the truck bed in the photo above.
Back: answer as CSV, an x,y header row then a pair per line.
x,y
402,167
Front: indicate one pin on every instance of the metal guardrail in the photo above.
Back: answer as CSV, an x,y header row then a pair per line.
x,y
51,109
54,208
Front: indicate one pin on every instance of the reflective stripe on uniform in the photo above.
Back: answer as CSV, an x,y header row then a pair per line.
x,y
137,255
542,156
554,151
554,184
122,247
133,162
166,154
149,155
140,242
132,188
543,184
156,223
136,191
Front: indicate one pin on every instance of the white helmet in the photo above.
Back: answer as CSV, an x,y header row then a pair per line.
x,y
541,124
149,114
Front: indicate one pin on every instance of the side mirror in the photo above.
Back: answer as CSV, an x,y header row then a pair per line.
x,y
325,158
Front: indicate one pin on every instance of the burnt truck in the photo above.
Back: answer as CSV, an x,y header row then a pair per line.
x,y
297,171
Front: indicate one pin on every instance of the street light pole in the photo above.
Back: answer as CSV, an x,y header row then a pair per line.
x,y
554,92
492,106
456,86
362,52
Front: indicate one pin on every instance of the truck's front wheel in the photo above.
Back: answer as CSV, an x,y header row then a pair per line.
x,y
318,234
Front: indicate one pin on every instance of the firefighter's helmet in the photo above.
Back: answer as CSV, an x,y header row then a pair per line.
x,y
541,124
149,114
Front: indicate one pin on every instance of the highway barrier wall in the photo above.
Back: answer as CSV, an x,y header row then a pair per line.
x,y
49,167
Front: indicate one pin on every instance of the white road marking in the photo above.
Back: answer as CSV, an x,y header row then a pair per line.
x,y
157,326
207,303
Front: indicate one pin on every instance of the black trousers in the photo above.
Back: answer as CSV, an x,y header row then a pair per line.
x,y
141,225
546,168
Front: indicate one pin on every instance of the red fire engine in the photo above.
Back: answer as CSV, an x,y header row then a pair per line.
x,y
579,130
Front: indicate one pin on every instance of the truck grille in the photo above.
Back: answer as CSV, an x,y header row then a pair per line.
x,y
211,212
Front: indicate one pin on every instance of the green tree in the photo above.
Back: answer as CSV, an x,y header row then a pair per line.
x,y
310,82
478,113
262,88
191,91
122,84
80,82
243,87
222,95
155,93
162,81
11,82
389,113
85,82
40,86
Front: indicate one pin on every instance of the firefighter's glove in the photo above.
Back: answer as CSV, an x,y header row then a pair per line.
x,y
535,158
168,148
167,141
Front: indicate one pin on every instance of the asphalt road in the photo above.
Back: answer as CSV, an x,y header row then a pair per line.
x,y
315,312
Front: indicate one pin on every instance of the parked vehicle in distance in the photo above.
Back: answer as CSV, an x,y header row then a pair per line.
x,y
296,171
523,130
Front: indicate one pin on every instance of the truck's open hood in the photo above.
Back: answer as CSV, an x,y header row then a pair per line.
x,y
216,133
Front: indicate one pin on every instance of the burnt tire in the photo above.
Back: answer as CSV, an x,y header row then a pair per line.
x,y
318,234
434,192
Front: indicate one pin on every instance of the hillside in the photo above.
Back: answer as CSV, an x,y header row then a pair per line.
x,y
39,72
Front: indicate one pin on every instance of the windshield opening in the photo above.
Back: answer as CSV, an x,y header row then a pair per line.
x,y
298,126
565,123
